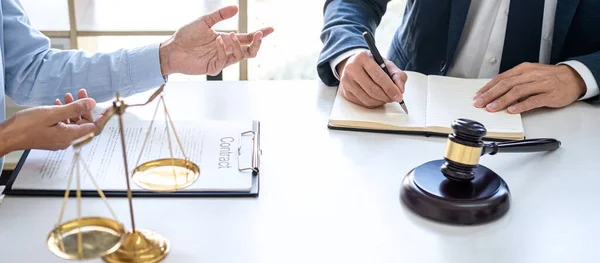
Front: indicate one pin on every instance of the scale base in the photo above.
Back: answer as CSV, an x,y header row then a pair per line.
x,y
141,246
428,193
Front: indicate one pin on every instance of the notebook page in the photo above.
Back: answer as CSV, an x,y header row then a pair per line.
x,y
451,98
212,146
346,113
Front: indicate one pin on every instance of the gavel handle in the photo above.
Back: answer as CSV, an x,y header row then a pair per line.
x,y
522,146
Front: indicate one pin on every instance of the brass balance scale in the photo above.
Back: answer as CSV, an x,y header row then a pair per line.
x,y
86,238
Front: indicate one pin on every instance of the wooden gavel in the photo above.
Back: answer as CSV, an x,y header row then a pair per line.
x,y
457,189
465,146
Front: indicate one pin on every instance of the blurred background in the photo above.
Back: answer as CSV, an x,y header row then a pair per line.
x,y
291,52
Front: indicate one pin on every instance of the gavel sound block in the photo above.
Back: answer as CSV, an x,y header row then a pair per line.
x,y
459,190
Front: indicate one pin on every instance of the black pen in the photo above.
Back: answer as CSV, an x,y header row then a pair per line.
x,y
379,60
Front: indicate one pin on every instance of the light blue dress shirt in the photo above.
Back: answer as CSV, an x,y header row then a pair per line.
x,y
33,74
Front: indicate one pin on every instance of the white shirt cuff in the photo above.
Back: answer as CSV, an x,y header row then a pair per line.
x,y
333,63
587,76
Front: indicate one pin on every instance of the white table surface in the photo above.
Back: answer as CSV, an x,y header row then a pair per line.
x,y
333,196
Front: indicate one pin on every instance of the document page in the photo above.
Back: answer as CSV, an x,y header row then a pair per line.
x,y
452,98
212,145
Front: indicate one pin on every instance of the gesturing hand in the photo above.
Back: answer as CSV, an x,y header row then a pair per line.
x,y
363,82
87,116
197,49
529,86
84,118
45,128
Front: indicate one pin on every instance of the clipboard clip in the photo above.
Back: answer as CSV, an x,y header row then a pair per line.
x,y
255,152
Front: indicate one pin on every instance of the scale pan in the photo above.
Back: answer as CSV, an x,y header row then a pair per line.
x,y
99,237
166,175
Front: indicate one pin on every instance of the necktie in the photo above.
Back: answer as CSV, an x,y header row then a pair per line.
x,y
523,33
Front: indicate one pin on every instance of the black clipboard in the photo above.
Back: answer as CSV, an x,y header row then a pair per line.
x,y
253,169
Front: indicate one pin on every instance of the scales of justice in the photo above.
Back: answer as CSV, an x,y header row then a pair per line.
x,y
86,238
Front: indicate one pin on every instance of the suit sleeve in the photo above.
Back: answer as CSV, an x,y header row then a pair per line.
x,y
36,74
592,62
344,22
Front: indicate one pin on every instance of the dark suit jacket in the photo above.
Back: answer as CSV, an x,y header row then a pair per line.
x,y
427,39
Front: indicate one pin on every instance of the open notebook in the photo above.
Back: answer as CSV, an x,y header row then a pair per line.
x,y
433,103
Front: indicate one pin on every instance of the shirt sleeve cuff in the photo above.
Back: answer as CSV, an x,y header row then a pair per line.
x,y
144,68
333,63
587,76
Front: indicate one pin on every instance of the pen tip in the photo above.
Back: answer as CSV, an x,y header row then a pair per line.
x,y
404,107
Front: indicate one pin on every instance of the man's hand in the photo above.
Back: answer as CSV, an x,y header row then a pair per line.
x,y
196,49
44,127
363,82
85,118
529,86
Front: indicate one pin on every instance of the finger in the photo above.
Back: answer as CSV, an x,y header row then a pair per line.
x,y
398,76
515,94
371,88
252,50
100,122
349,96
58,103
74,131
533,102
220,61
217,16
82,94
385,85
247,39
68,100
358,92
237,54
72,110
236,47
501,88
519,69
228,42
404,76
82,121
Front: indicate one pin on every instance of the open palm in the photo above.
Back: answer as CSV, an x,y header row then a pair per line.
x,y
197,49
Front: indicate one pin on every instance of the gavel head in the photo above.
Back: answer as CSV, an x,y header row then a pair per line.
x,y
463,149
